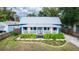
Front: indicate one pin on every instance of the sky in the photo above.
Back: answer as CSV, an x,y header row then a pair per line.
x,y
23,11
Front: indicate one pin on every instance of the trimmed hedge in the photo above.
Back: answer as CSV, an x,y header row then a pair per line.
x,y
54,36
28,35
47,36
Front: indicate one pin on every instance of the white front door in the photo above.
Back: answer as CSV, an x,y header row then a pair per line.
x,y
39,30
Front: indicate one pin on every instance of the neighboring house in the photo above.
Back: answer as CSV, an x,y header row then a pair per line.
x,y
76,27
8,26
2,26
40,25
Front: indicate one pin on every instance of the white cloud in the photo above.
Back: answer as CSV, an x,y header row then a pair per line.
x,y
22,11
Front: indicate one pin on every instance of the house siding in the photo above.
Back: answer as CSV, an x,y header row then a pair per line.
x,y
76,27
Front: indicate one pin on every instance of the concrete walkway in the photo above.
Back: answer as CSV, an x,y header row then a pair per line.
x,y
72,39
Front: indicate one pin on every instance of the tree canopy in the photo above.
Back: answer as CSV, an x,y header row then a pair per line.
x,y
48,11
70,15
6,15
31,14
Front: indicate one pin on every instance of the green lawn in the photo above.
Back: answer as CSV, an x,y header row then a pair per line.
x,y
49,42
9,44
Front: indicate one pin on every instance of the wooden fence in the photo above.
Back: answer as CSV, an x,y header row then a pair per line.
x,y
4,35
17,31
70,32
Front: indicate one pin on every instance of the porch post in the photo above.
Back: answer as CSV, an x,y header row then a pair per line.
x,y
22,30
57,30
28,29
43,30
51,29
36,30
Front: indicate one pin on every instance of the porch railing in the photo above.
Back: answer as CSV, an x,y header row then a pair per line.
x,y
46,31
25,31
33,31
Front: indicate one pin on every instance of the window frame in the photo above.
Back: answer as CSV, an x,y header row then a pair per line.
x,y
33,28
24,28
54,28
46,28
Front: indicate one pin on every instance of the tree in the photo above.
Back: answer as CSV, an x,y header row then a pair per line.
x,y
31,14
6,14
48,11
70,15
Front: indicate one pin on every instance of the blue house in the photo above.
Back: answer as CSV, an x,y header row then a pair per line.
x,y
40,25
8,26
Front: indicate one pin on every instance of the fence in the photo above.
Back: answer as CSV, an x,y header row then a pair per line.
x,y
17,31
70,32
4,35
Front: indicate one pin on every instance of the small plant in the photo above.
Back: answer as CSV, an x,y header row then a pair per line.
x,y
54,36
14,33
28,35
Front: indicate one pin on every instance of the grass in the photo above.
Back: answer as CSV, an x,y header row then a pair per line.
x,y
9,44
70,47
50,42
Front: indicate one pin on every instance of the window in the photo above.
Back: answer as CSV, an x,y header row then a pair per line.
x,y
25,28
54,28
46,28
33,28
77,28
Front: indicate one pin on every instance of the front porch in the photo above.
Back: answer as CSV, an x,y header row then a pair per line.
x,y
39,30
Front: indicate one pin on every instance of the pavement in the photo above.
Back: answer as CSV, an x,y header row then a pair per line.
x,y
72,39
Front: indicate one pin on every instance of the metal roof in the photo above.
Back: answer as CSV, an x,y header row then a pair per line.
x,y
40,20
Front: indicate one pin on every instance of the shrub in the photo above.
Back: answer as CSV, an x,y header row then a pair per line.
x,y
54,36
28,35
59,36
14,33
47,36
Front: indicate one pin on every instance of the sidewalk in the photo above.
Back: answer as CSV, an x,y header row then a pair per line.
x,y
72,39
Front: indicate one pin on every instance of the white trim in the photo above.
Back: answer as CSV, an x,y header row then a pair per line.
x,y
43,30
40,25
28,29
51,29
22,30
57,31
36,30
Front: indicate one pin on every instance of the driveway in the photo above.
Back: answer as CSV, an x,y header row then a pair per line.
x,y
72,39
